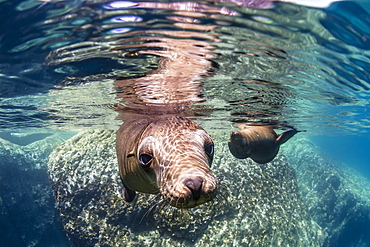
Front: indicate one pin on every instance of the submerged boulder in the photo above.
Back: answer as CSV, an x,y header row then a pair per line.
x,y
337,197
258,205
27,213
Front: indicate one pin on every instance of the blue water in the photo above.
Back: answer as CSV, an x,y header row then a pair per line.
x,y
286,65
348,24
350,149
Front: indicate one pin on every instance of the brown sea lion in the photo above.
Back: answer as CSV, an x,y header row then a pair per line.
x,y
260,143
159,151
168,155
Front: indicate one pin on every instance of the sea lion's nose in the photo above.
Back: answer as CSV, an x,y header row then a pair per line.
x,y
195,186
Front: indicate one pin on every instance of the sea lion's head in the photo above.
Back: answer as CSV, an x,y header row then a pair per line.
x,y
257,142
239,145
170,155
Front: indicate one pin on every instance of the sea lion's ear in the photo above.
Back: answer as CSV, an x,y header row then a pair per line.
x,y
130,154
128,195
285,136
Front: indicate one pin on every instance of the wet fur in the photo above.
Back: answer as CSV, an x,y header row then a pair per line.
x,y
177,145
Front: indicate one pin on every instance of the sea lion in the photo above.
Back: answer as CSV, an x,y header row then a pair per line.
x,y
260,143
168,155
159,151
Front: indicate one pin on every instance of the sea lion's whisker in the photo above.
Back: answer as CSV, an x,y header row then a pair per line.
x,y
177,202
160,205
151,208
160,212
154,198
174,213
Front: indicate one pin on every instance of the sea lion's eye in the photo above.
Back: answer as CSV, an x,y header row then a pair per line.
x,y
209,149
145,159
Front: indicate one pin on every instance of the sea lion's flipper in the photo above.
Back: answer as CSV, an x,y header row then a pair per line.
x,y
128,195
285,136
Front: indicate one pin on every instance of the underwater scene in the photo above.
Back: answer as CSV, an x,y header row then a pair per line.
x,y
184,123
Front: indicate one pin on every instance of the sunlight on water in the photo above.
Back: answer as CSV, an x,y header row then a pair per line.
x,y
322,81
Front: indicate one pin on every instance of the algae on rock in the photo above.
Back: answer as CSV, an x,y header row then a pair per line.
x,y
27,213
337,197
257,204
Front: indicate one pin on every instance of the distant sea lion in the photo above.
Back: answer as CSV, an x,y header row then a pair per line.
x,y
260,143
168,155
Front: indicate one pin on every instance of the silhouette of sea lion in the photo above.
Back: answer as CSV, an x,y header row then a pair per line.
x,y
260,143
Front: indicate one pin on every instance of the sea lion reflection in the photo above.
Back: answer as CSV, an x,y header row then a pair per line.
x,y
260,143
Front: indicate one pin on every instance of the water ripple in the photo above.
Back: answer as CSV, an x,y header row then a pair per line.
x,y
270,62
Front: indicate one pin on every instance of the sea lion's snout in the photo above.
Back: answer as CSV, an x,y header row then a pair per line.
x,y
191,193
195,186
189,184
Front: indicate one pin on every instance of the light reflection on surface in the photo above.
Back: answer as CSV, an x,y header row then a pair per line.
x,y
127,18
304,55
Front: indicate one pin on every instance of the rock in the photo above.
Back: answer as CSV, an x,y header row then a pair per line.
x,y
337,197
258,205
28,216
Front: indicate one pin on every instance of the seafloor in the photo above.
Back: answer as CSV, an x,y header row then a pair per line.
x,y
302,198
